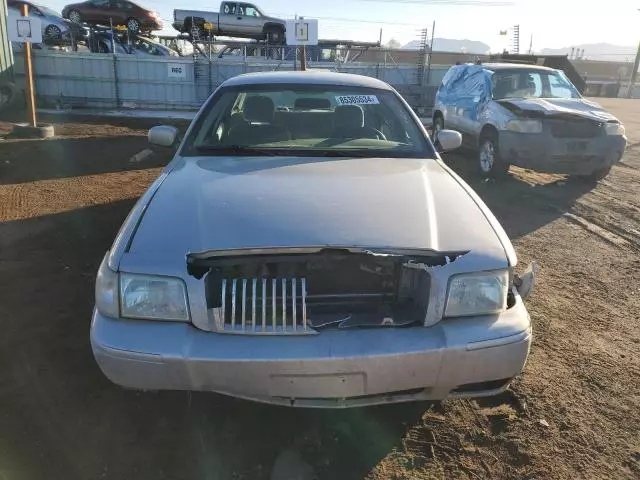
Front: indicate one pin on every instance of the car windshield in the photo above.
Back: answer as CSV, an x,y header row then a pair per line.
x,y
312,120
523,83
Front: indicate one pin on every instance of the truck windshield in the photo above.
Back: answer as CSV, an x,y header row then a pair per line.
x,y
307,120
523,83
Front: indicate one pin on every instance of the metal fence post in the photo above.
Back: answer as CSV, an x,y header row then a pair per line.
x,y
115,80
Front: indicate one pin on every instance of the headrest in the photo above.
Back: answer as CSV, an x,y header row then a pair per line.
x,y
259,109
308,103
348,116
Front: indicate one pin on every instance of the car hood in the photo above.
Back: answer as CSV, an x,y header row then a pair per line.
x,y
558,106
216,203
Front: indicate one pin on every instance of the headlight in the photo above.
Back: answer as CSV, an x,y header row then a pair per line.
x,y
614,128
477,294
153,297
107,289
525,126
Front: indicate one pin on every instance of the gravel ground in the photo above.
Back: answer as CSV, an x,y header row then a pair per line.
x,y
574,413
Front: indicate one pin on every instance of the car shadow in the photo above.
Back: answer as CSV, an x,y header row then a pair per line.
x,y
522,201
34,160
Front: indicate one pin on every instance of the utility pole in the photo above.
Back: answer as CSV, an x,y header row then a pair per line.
x,y
634,73
28,70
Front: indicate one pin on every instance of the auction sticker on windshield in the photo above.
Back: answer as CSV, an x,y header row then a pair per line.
x,y
357,100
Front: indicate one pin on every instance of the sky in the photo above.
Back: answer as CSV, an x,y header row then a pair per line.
x,y
551,23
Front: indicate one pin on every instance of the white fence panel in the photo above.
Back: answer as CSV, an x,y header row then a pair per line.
x,y
68,80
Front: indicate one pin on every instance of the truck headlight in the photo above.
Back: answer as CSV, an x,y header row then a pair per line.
x,y
477,293
525,126
153,297
614,128
107,289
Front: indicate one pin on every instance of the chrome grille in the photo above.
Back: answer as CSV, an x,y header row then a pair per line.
x,y
263,306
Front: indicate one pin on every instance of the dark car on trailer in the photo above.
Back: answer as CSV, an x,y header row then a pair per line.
x,y
116,12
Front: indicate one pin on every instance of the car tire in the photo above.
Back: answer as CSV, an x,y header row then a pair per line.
x,y
75,16
490,161
133,25
275,36
52,32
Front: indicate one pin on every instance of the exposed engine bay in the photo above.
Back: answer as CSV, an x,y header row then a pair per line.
x,y
305,292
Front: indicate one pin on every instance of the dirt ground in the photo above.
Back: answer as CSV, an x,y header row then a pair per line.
x,y
574,413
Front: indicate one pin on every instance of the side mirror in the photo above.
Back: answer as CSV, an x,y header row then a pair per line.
x,y
163,136
449,140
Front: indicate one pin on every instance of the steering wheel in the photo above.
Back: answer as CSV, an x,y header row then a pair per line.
x,y
377,132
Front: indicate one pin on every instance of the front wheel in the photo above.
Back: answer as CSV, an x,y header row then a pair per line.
x,y
490,162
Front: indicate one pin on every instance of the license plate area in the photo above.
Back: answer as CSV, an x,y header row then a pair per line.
x,y
576,147
342,385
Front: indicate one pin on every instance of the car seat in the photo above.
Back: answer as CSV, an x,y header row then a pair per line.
x,y
258,126
348,122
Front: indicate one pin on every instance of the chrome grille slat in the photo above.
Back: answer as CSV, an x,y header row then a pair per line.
x,y
288,306
273,303
264,304
284,304
223,307
293,303
254,294
234,286
304,303
244,302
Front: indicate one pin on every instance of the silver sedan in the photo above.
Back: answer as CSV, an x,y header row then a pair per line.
x,y
307,246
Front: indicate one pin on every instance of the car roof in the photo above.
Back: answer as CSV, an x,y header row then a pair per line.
x,y
515,66
307,77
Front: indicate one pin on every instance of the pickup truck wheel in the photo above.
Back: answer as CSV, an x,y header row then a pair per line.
x,y
275,36
197,32
490,162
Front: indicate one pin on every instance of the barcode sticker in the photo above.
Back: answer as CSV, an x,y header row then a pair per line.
x,y
357,100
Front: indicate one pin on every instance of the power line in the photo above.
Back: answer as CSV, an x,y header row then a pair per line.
x,y
468,3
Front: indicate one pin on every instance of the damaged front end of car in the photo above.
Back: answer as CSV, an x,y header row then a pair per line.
x,y
301,291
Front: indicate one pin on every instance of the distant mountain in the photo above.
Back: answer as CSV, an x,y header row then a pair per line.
x,y
597,51
452,45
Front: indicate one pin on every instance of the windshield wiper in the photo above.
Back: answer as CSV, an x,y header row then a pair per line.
x,y
236,150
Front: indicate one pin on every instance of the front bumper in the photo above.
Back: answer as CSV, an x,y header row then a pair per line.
x,y
475,356
545,153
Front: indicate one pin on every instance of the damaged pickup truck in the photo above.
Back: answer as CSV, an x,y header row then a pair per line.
x,y
529,116
307,246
